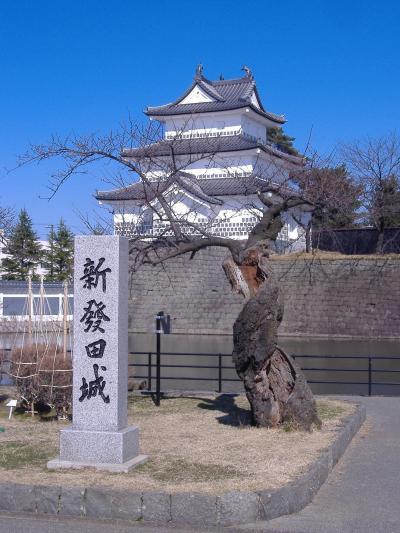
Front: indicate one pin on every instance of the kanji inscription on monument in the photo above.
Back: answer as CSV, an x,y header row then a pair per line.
x,y
99,435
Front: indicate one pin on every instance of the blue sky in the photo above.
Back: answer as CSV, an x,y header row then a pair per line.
x,y
82,66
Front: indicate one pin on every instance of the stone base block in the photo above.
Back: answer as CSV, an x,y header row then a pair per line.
x,y
58,464
116,451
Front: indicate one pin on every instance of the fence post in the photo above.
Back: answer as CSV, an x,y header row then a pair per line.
x,y
369,376
158,374
149,372
219,373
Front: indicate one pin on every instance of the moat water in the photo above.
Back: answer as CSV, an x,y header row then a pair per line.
x,y
327,364
328,359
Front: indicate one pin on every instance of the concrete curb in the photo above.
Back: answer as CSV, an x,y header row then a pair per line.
x,y
191,509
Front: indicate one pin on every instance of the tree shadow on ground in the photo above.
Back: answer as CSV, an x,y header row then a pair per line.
x,y
235,415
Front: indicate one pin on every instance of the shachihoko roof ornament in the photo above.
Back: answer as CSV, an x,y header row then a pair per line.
x,y
248,72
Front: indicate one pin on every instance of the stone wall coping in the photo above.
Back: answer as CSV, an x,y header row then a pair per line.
x,y
191,509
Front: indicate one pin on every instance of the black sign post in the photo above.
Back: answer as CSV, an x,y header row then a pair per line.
x,y
163,325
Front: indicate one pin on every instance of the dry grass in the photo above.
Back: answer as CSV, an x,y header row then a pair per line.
x,y
194,444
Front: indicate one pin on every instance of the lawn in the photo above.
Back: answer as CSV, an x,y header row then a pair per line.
x,y
202,444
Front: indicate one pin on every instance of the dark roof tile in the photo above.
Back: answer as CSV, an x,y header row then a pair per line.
x,y
228,95
205,189
147,192
202,145
207,146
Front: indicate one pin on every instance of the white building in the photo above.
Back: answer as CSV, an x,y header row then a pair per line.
x,y
212,161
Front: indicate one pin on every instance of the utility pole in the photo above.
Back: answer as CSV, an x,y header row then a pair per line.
x,y
51,253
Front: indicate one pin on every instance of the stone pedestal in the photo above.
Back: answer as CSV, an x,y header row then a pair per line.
x,y
116,451
99,436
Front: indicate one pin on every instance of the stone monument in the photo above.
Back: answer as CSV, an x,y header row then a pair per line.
x,y
99,436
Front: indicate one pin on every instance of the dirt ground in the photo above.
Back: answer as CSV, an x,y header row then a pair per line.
x,y
194,444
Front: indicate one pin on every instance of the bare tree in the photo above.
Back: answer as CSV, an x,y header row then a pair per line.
x,y
7,218
375,164
334,195
274,384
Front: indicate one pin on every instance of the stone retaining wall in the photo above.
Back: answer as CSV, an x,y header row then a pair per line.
x,y
346,297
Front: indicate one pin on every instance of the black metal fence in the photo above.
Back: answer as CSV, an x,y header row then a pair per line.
x,y
375,371
356,241
369,367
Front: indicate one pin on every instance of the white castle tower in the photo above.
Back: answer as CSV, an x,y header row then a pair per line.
x,y
213,159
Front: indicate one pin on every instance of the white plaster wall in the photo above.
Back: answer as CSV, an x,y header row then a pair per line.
x,y
208,122
268,168
156,174
254,128
234,219
248,122
229,161
203,123
125,209
119,218
257,162
197,95
221,166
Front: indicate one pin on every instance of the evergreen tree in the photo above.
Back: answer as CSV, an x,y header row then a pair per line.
x,y
60,254
24,250
282,141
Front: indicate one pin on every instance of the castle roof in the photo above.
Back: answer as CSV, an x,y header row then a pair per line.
x,y
225,95
207,146
207,190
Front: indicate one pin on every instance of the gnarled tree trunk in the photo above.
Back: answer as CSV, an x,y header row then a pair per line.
x,y
275,386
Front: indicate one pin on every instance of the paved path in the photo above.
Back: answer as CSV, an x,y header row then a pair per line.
x,y
13,523
362,493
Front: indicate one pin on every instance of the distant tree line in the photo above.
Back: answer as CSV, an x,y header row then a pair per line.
x,y
360,189
374,166
25,252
